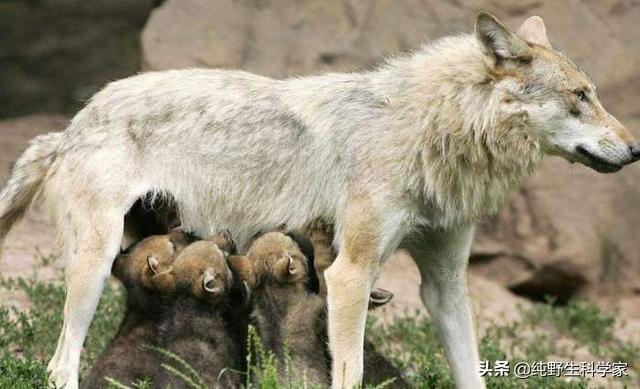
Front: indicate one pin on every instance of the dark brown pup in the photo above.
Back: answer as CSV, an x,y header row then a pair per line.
x,y
143,270
181,296
290,319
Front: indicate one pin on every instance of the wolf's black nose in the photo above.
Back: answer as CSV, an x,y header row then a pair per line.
x,y
635,150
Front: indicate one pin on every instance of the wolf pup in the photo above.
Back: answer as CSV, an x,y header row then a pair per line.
x,y
143,270
205,323
411,154
291,321
377,368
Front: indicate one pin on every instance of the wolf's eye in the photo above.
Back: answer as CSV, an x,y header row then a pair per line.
x,y
582,96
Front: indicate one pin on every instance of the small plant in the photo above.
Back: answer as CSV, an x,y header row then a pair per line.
x,y
183,371
263,371
141,384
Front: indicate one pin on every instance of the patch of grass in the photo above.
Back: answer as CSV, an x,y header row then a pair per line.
x,y
414,347
22,374
581,320
422,358
588,325
625,352
28,337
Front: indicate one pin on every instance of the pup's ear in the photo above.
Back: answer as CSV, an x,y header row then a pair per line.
x,y
534,31
292,269
154,276
240,266
379,297
224,241
181,239
498,42
288,270
244,297
210,284
153,264
119,266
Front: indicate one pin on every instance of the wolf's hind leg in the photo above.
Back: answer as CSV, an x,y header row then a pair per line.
x,y
96,242
442,258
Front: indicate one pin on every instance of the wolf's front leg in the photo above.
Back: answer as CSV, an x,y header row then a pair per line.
x,y
366,237
442,258
348,286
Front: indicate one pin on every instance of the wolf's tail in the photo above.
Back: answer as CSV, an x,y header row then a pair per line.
x,y
26,178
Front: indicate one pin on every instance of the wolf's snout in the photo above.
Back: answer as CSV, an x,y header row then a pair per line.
x,y
634,148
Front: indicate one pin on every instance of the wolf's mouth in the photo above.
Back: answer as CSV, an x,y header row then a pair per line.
x,y
596,163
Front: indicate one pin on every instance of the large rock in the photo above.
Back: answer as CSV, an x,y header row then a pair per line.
x,y
56,53
569,230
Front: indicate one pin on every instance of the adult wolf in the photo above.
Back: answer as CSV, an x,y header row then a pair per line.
x,y
411,154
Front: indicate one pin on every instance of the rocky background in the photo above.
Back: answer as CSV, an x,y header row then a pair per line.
x,y
569,232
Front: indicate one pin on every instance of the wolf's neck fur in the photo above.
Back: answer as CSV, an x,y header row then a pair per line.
x,y
470,152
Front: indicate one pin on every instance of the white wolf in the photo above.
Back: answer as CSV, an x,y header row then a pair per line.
x,y
411,154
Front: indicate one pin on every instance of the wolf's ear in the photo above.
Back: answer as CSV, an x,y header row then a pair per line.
x,y
498,42
534,31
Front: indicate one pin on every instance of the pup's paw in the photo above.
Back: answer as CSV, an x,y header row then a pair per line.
x,y
320,231
225,241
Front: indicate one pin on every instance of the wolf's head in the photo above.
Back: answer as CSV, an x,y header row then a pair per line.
x,y
558,100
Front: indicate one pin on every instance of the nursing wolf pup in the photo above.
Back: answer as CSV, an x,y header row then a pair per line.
x,y
142,269
290,320
206,321
411,154
187,304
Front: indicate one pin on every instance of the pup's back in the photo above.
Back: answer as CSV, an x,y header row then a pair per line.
x,y
377,368
199,325
290,320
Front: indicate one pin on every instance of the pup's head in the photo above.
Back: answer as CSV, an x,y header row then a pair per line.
x,y
202,269
276,259
272,258
149,261
556,98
